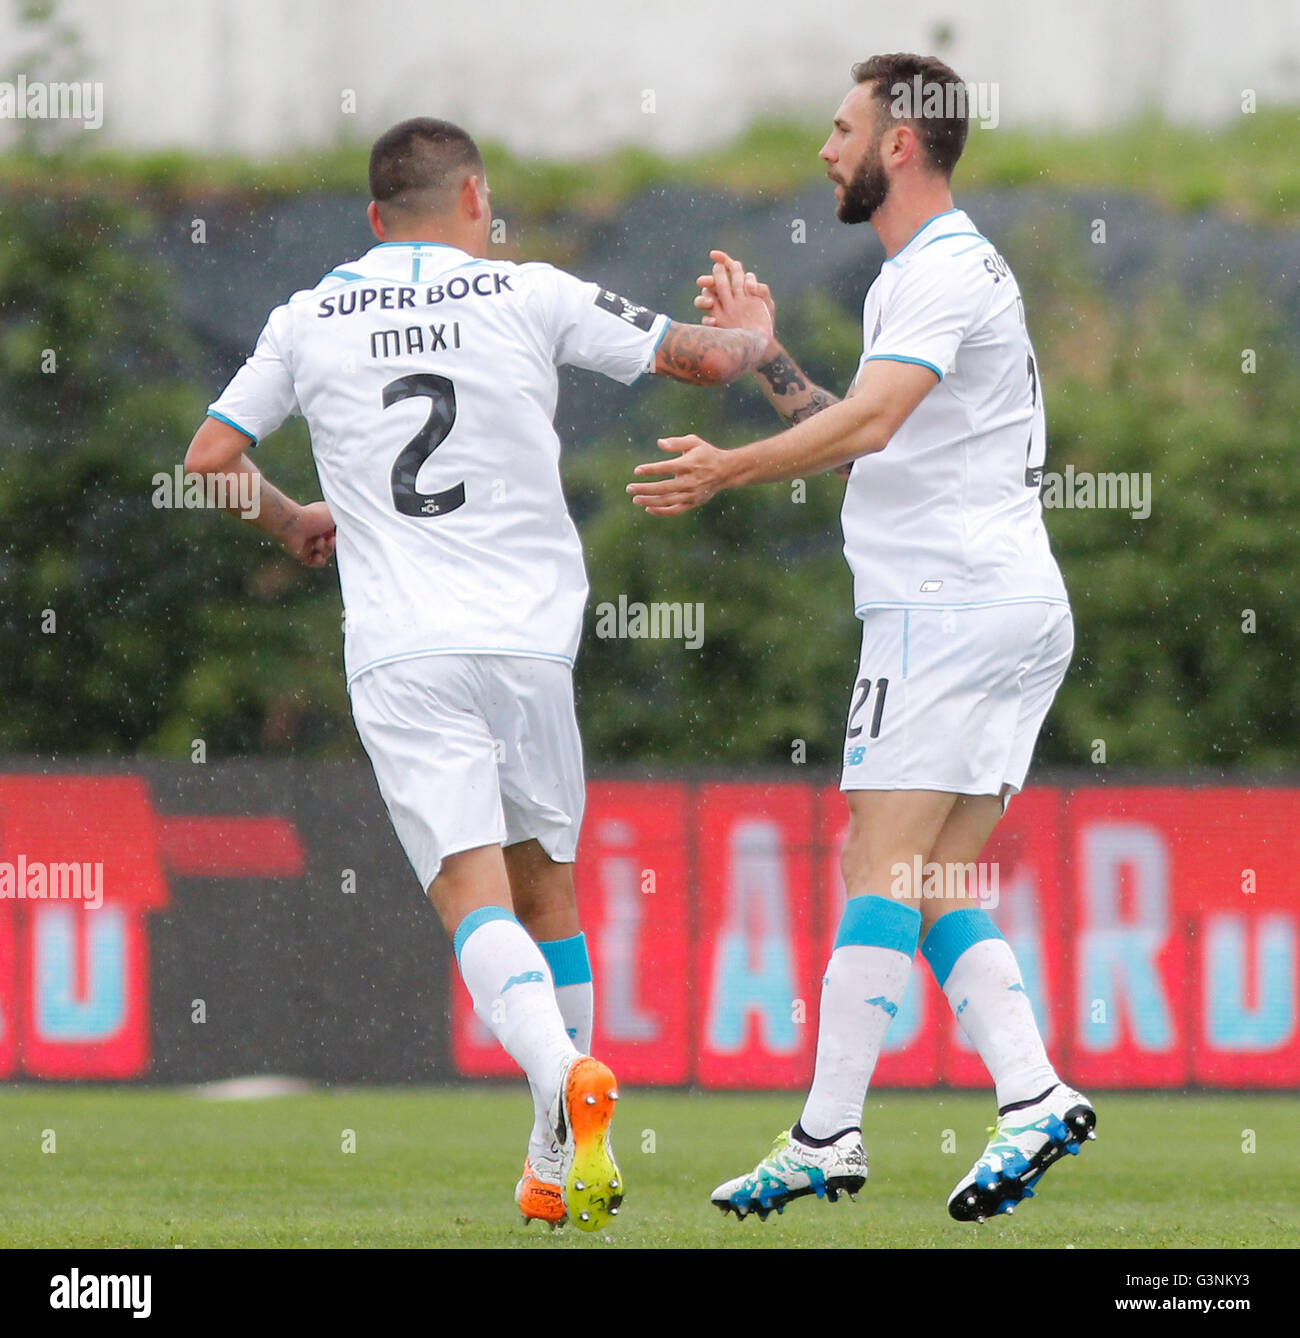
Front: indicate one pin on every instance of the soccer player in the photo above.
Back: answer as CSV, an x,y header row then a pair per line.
x,y
427,375
966,631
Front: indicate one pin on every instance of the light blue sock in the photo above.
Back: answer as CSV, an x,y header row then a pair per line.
x,y
571,968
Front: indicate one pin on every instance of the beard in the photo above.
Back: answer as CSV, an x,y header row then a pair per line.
x,y
865,193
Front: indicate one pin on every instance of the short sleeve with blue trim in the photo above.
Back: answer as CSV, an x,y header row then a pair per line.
x,y
596,329
261,394
931,305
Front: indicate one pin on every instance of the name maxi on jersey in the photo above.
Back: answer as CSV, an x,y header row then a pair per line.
x,y
394,342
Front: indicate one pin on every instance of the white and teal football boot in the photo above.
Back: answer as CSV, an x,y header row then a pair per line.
x,y
793,1169
1030,1136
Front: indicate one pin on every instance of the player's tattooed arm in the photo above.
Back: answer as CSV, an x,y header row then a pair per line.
x,y
785,385
884,395
789,390
706,356
304,532
725,348
792,394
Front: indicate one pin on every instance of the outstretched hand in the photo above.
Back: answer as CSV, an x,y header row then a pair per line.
x,y
698,472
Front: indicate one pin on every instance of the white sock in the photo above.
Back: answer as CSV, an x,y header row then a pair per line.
x,y
576,1008
861,992
513,995
569,962
983,985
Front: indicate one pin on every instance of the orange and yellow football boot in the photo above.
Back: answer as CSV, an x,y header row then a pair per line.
x,y
580,1117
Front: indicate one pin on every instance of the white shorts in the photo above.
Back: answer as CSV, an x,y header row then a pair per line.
x,y
473,750
953,699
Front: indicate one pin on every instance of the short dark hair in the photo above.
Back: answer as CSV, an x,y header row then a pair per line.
x,y
418,164
942,136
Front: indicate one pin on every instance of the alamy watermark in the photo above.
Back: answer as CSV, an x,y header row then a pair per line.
x,y
633,620
920,99
36,100
226,492
35,880
1081,490
75,1290
931,880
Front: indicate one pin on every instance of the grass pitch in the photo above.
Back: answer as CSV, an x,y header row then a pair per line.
x,y
437,1168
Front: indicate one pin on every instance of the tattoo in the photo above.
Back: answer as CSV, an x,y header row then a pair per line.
x,y
706,355
277,515
784,378
821,399
783,375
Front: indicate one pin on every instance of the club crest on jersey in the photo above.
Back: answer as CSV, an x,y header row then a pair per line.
x,y
642,317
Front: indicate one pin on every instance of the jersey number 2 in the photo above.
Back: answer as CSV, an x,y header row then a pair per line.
x,y
441,394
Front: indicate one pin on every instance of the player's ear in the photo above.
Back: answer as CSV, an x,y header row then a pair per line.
x,y
474,196
376,223
905,145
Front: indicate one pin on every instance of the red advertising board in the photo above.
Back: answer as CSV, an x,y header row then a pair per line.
x,y
910,1054
1022,865
1130,978
1156,929
87,995
9,990
632,884
82,1009
1185,937
758,955
83,861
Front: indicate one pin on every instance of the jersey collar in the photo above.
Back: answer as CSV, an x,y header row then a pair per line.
x,y
394,259
394,247
446,246
914,242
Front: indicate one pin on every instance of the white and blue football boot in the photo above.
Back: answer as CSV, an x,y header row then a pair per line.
x,y
793,1169
1030,1136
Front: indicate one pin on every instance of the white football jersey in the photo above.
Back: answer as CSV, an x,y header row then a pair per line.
x,y
428,380
948,514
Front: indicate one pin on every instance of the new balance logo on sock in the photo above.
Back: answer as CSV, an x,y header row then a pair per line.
x,y
527,978
881,1002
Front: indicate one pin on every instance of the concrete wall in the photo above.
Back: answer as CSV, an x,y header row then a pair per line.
x,y
266,76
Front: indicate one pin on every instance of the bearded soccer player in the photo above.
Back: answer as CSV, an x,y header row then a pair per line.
x,y
427,374
966,631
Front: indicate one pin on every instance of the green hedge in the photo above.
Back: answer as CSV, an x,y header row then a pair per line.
x,y
175,626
